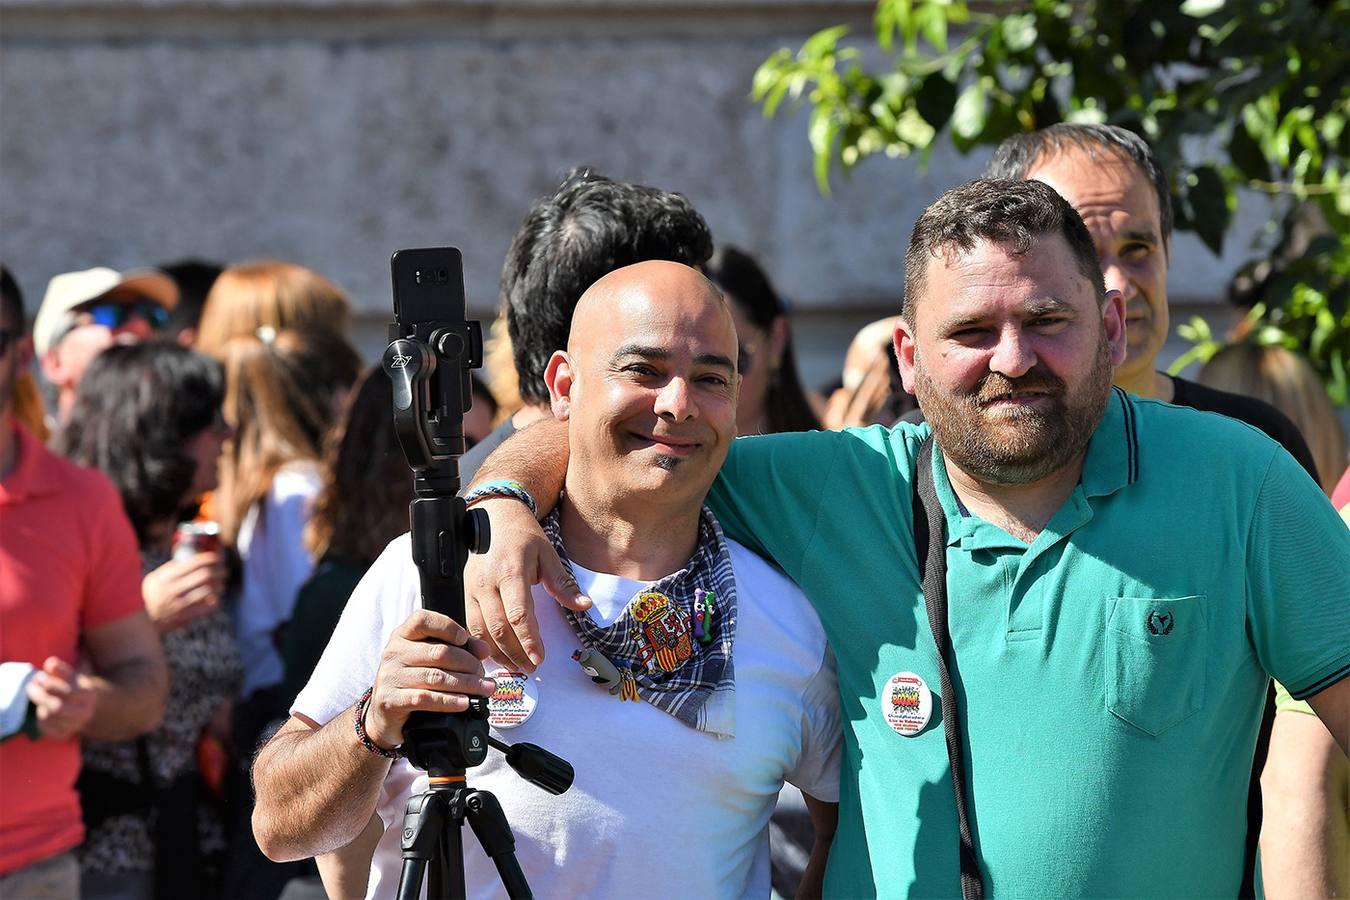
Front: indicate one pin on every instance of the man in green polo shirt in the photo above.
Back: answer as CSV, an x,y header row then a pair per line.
x,y
1122,576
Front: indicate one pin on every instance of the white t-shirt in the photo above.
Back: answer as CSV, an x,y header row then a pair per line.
x,y
658,809
275,564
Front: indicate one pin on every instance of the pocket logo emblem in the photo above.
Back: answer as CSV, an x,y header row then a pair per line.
x,y
1160,623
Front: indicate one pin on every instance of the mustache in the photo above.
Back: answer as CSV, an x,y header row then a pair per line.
x,y
996,386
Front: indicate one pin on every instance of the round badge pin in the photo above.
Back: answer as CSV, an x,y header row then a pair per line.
x,y
514,701
907,703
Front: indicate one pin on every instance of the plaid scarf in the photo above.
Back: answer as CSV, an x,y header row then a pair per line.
x,y
654,636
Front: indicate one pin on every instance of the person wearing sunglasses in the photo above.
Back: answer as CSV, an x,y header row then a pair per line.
x,y
84,312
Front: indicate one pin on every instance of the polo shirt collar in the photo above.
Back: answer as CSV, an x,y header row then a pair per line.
x,y
34,473
1112,462
968,531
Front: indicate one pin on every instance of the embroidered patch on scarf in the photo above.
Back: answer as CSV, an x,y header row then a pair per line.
x,y
653,639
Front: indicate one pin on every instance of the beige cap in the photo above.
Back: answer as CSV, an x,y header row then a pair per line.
x,y
66,293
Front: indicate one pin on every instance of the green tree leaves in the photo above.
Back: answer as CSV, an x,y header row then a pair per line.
x,y
971,111
1233,95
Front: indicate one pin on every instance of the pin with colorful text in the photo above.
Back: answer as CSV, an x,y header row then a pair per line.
x,y
514,701
906,703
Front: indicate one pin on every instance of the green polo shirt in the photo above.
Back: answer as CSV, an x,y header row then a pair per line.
x,y
1110,675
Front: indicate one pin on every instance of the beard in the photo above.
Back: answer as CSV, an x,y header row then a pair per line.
x,y
1021,444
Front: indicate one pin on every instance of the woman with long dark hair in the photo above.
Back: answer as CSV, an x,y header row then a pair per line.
x,y
771,397
148,416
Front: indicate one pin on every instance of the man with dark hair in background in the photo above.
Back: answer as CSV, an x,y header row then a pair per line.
x,y
587,228
70,593
1114,181
194,278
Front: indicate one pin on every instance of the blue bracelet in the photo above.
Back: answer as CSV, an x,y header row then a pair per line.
x,y
501,488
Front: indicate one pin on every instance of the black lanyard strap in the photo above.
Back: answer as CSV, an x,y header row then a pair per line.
x,y
930,547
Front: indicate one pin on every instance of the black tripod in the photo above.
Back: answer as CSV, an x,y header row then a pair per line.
x,y
431,350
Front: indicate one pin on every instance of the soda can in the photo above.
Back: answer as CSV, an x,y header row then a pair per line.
x,y
192,538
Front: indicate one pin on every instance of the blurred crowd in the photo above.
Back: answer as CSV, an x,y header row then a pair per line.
x,y
198,467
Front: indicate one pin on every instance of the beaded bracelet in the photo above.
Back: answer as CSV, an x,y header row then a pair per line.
x,y
501,488
361,728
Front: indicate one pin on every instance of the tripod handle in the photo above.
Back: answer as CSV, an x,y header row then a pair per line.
x,y
537,766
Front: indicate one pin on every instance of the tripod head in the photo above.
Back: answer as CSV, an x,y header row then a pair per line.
x,y
431,352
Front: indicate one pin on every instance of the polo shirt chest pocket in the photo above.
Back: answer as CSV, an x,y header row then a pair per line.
x,y
1155,660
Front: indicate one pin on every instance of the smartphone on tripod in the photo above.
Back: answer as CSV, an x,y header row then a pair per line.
x,y
428,288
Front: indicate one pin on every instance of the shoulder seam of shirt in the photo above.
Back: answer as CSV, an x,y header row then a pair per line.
x,y
1195,410
1247,542
1256,506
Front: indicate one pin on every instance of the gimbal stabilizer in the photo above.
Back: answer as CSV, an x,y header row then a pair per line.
x,y
432,348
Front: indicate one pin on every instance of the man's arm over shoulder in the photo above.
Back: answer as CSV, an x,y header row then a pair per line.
x,y
535,457
772,488
769,492
499,606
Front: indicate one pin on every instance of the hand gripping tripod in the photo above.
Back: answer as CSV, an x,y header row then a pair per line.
x,y
431,350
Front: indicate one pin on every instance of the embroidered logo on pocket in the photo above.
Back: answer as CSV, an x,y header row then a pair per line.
x,y
1160,623
1155,651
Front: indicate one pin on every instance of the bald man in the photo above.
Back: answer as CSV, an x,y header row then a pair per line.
x,y
707,682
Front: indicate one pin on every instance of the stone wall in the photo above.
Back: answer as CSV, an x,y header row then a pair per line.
x,y
332,132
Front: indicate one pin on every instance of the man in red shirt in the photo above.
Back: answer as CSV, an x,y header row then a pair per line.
x,y
74,630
